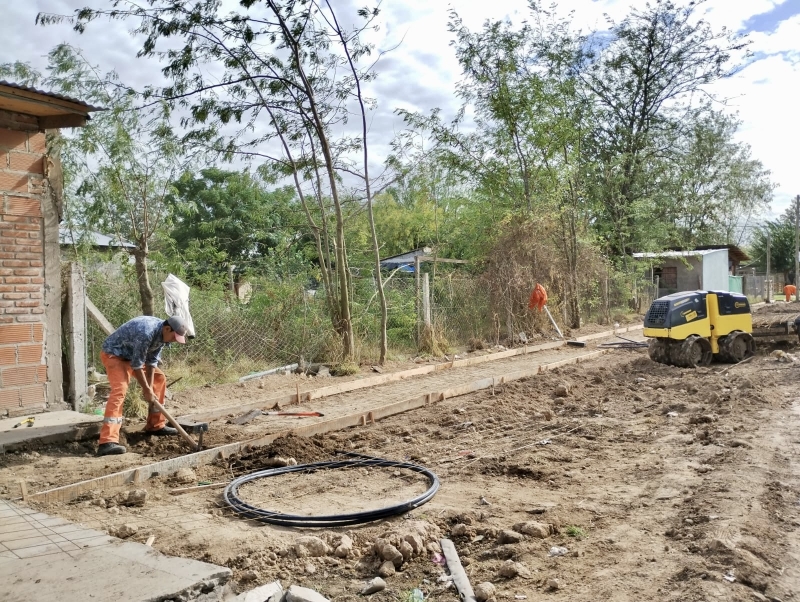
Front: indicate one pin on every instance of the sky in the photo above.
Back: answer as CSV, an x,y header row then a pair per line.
x,y
421,71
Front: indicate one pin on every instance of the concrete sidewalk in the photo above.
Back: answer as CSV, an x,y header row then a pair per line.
x,y
48,427
49,558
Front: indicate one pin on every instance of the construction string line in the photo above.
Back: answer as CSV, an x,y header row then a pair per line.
x,y
231,494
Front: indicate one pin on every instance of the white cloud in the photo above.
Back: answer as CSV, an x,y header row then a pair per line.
x,y
421,73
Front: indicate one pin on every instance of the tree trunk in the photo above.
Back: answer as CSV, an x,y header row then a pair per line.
x,y
143,280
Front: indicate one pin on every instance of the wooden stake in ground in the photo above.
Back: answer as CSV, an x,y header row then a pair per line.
x,y
460,579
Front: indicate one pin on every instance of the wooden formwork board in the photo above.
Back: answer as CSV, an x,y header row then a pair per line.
x,y
168,467
373,381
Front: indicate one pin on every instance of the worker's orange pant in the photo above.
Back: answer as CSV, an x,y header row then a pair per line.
x,y
788,291
119,374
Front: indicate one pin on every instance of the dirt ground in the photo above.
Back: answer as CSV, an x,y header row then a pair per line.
x,y
661,484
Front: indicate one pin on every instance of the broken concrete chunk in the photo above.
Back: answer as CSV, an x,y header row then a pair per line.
x,y
303,594
271,592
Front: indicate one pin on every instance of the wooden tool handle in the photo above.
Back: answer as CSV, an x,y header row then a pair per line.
x,y
174,423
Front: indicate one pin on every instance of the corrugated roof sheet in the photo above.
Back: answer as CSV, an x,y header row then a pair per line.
x,y
67,236
88,107
663,254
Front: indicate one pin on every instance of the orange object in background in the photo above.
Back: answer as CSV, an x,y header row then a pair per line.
x,y
788,291
538,298
119,374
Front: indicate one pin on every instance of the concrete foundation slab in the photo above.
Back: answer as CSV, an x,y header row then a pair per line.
x,y
67,562
48,427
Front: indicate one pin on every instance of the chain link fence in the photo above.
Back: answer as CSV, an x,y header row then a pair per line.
x,y
273,323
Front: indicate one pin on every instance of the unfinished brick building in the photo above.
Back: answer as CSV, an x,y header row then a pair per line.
x,y
30,273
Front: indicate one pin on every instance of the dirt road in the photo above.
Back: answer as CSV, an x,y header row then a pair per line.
x,y
661,483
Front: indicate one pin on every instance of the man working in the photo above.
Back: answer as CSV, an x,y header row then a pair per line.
x,y
134,349
788,291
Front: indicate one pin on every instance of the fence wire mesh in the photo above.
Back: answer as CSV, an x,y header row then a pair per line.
x,y
272,323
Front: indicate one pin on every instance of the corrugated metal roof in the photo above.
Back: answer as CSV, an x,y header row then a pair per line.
x,y
88,107
667,254
67,237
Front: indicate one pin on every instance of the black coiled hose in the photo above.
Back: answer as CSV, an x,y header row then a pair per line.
x,y
231,494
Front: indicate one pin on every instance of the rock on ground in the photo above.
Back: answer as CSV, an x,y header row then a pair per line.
x,y
512,569
534,529
344,548
374,586
125,531
416,542
406,550
509,536
386,569
136,497
563,390
485,591
387,551
310,546
186,476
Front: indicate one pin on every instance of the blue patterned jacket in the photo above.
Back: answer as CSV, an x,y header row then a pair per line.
x,y
138,340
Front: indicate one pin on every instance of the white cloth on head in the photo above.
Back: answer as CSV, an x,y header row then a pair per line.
x,y
176,301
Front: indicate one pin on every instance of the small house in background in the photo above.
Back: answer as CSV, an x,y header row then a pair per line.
x,y
405,261
106,246
709,268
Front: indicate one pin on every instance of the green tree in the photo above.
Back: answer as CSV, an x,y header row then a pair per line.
x,y
525,153
271,75
231,220
781,238
715,186
643,80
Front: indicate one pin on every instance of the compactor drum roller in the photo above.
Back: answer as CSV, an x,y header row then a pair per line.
x,y
690,329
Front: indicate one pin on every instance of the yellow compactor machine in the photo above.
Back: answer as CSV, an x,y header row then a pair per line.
x,y
691,328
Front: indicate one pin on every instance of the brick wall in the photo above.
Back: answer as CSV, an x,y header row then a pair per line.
x,y
23,372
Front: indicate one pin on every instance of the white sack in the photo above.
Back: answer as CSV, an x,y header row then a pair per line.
x,y
176,301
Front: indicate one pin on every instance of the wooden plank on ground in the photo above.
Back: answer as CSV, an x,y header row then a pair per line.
x,y
610,333
171,466
371,381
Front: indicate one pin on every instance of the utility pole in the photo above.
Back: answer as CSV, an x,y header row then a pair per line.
x,y
796,242
769,256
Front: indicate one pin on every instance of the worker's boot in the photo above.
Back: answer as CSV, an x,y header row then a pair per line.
x,y
110,449
163,431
